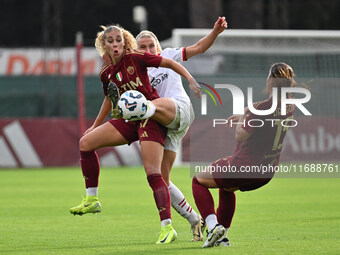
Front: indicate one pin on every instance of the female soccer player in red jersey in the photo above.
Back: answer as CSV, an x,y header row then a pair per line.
x,y
257,146
174,110
128,70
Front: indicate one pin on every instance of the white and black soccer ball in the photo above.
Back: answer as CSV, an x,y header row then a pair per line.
x,y
132,105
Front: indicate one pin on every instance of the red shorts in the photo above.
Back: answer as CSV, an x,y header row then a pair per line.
x,y
143,130
232,181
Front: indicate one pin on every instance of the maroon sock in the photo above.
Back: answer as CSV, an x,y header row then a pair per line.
x,y
226,207
161,194
203,199
90,167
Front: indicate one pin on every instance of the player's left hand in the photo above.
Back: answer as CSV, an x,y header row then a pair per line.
x,y
220,25
88,130
193,85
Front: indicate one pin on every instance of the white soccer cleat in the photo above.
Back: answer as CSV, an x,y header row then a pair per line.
x,y
212,236
223,241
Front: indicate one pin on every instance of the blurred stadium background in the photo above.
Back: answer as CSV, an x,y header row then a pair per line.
x,y
40,118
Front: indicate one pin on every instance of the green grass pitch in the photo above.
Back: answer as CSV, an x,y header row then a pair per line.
x,y
287,216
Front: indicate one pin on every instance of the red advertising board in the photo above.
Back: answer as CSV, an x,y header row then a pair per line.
x,y
54,142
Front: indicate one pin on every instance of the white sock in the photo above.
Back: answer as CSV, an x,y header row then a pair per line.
x,y
165,222
93,191
151,109
180,204
226,231
211,221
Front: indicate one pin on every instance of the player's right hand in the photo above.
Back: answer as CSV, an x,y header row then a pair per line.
x,y
193,85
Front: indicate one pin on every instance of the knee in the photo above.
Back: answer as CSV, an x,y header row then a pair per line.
x,y
204,181
151,168
84,145
195,180
199,178
164,105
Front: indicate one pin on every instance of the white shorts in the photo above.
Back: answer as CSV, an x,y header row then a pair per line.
x,y
179,126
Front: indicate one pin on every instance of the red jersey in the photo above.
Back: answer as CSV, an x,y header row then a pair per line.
x,y
265,144
130,73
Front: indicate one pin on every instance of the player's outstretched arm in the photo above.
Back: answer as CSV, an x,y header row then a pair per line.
x,y
241,135
205,43
178,68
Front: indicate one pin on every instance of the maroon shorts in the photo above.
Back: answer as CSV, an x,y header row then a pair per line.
x,y
143,130
232,181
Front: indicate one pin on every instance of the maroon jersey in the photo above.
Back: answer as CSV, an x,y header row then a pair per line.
x,y
261,149
265,144
130,73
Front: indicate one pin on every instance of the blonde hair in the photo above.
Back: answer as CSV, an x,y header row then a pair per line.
x,y
130,41
149,34
281,75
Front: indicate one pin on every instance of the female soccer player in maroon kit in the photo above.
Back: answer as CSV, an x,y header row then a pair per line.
x,y
128,70
175,111
257,146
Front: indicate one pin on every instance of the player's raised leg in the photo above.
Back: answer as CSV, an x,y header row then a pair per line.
x,y
165,111
104,135
162,110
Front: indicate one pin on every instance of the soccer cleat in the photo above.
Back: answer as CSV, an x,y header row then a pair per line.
x,y
168,234
216,233
90,204
223,241
115,113
113,94
197,230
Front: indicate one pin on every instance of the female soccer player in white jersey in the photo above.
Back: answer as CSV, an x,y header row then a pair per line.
x,y
173,109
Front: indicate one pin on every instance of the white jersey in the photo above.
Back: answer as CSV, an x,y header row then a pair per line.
x,y
167,82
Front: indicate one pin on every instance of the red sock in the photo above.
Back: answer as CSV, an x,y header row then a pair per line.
x,y
90,167
161,194
203,199
226,208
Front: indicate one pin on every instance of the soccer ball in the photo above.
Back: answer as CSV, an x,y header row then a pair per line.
x,y
132,105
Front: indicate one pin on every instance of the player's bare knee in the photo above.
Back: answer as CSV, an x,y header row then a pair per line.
x,y
199,180
206,180
84,144
151,168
